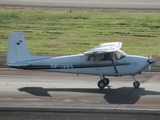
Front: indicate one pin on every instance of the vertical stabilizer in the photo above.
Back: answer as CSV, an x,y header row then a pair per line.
x,y
17,49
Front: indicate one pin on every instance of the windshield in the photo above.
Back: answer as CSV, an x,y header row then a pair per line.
x,y
120,54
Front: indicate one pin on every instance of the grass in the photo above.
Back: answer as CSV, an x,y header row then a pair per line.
x,y
70,31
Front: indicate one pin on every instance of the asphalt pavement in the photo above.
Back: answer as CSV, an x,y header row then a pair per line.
x,y
46,95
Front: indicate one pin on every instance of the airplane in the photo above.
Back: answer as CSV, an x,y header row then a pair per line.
x,y
104,60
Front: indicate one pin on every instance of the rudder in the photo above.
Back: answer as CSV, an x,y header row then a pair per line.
x,y
17,49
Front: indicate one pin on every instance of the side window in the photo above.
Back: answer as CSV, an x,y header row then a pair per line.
x,y
99,57
106,57
91,58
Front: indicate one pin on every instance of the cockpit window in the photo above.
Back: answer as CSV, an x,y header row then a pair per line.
x,y
99,57
106,56
120,54
103,57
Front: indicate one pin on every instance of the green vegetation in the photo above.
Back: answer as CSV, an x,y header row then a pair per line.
x,y
67,31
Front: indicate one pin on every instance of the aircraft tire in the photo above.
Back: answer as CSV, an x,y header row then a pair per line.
x,y
136,84
106,80
101,84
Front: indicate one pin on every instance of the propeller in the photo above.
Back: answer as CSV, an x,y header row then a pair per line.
x,y
151,61
150,64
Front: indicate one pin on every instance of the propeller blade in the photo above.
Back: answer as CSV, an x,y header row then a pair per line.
x,y
151,61
150,68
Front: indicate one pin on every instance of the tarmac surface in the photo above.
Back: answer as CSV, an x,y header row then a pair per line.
x,y
36,89
37,93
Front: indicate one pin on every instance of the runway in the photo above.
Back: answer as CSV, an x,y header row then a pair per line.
x,y
114,4
28,89
44,95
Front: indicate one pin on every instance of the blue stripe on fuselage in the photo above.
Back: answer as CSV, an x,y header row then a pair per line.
x,y
35,67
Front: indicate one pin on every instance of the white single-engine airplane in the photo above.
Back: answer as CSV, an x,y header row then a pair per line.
x,y
104,60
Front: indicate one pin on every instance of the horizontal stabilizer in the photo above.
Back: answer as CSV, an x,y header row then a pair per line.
x,y
18,64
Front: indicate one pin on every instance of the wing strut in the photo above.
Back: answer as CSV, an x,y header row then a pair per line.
x,y
114,65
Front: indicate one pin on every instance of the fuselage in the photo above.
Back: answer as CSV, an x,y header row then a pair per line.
x,y
80,64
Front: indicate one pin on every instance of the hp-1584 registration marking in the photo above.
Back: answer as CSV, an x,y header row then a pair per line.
x,y
62,65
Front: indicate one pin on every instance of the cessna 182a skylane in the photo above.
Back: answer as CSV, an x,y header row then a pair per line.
x,y
104,60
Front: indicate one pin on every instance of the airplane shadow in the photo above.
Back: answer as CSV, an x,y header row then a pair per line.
x,y
123,95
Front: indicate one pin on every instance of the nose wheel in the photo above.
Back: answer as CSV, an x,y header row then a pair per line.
x,y
136,84
103,83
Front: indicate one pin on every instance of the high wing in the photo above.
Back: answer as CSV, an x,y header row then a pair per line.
x,y
105,48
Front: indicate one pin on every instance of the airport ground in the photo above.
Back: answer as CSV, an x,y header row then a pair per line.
x,y
36,94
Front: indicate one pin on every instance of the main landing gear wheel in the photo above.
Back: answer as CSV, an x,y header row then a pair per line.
x,y
106,80
103,83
